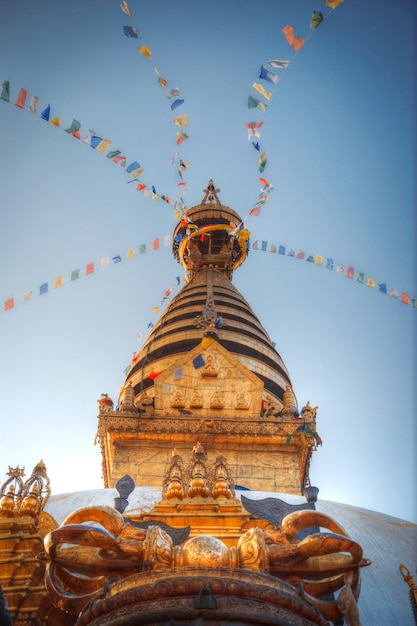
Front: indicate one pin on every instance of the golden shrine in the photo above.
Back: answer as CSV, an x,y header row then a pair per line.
x,y
207,406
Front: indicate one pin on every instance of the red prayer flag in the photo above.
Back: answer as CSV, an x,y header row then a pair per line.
x,y
154,375
21,98
140,187
155,244
9,304
295,42
405,298
89,268
300,254
350,271
255,211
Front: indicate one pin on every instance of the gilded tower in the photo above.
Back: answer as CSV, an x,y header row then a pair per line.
x,y
209,372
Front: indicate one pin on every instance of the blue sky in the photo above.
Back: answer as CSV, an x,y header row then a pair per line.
x,y
339,133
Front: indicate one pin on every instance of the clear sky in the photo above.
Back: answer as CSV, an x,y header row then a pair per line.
x,y
339,133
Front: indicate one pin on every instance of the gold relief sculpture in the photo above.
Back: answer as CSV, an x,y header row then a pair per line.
x,y
308,412
290,408
210,369
252,551
223,481
173,486
242,401
217,400
158,549
178,400
196,400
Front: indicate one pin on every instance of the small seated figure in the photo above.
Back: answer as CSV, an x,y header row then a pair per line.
x,y
178,400
242,401
210,369
216,401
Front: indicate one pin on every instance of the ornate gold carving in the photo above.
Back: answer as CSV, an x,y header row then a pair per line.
x,y
210,369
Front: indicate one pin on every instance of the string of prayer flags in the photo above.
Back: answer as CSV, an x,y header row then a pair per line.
x,y
74,129
262,162
294,41
316,19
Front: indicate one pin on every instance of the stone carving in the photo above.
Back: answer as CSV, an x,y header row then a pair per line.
x,y
178,400
290,408
346,603
242,401
196,400
210,369
173,486
308,412
217,400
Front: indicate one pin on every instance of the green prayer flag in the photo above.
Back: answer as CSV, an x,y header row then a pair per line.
x,y
5,92
316,19
360,277
142,248
75,274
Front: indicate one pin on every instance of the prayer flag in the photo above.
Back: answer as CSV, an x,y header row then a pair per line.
x,y
316,19
291,253
300,254
21,98
113,154
132,167
255,211
382,288
89,268
333,3
255,245
273,248
174,93
310,259
95,141
103,146
254,124
256,103
414,303
340,269
319,259
75,274
104,262
206,342
130,253
56,121
294,41
261,90
198,361
9,304
253,132
181,137
350,271
262,165
27,296
125,8
161,80
264,246
178,373
142,248
140,335
155,309
43,289
181,120
145,51
131,32
178,102
155,244
140,186
269,76
394,293
87,138
371,283
154,374
45,113
117,258
167,241
120,159
150,325
74,126
329,264
34,103
58,282
5,92
281,250
405,298
277,63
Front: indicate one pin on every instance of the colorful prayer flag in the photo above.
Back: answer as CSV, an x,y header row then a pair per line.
x,y
350,271
405,298
103,146
113,154
125,8
269,76
371,283
21,98
262,91
300,254
45,113
95,141
329,264
132,167
319,259
174,93
43,289
382,288
340,269
117,258
255,211
9,304
181,120
294,41
360,277
75,274
277,64
198,361
333,3
394,293
27,296
130,253
316,19
178,373
255,245
142,248
256,103
5,92
273,248
130,31
89,268
58,282
140,186
74,126
181,137
281,250
145,51
34,103
105,262
155,244
154,374
56,121
161,80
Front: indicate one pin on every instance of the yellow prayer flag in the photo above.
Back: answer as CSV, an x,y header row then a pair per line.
x,y
130,253
261,90
206,342
144,50
58,282
155,309
261,158
319,259
103,146
370,282
56,121
136,173
181,120
333,3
